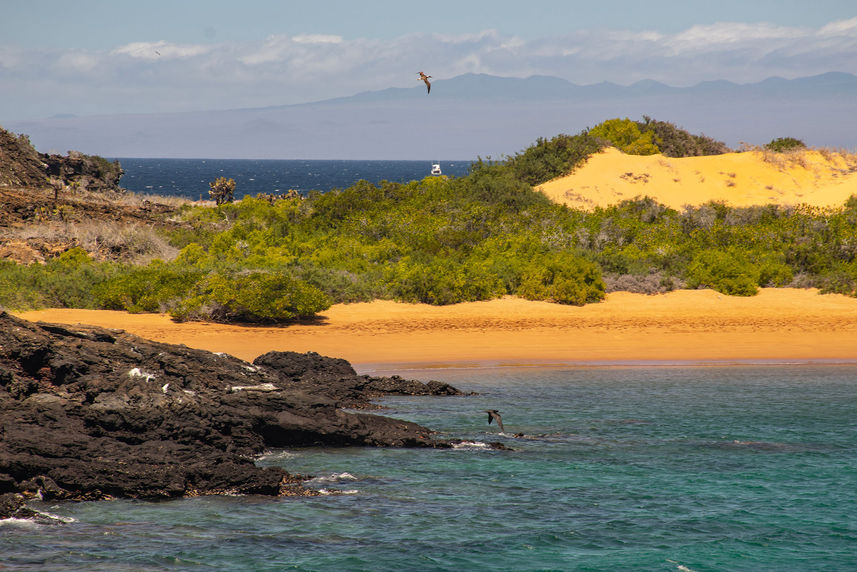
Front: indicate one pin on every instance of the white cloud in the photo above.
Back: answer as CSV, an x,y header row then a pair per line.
x,y
317,39
76,62
284,69
840,28
161,50
730,34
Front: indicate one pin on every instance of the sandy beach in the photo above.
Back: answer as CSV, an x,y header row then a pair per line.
x,y
698,326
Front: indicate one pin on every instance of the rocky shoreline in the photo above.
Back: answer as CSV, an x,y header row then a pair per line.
x,y
88,413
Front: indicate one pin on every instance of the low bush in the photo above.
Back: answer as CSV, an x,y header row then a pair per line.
x,y
551,158
157,287
676,142
66,281
261,297
782,144
441,282
626,136
564,279
730,272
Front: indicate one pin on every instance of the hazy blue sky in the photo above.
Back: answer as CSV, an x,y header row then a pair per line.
x,y
108,56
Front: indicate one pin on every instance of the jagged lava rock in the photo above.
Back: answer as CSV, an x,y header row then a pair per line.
x,y
91,413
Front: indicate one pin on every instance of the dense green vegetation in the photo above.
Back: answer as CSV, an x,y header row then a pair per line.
x,y
650,136
443,241
783,144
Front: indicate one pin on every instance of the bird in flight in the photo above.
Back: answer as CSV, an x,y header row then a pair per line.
x,y
494,415
425,78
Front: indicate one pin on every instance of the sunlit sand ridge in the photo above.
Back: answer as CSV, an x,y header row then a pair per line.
x,y
818,178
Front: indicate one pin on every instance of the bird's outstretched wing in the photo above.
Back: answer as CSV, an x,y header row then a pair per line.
x,y
425,78
494,415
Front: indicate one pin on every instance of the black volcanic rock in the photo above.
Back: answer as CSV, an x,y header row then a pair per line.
x,y
337,380
90,413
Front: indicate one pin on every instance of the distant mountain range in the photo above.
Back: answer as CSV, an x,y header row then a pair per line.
x,y
464,117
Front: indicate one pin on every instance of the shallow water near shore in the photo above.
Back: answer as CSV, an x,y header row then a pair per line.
x,y
644,468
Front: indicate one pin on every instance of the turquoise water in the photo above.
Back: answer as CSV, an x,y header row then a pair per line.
x,y
624,468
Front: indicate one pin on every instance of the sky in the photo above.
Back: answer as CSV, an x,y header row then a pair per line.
x,y
91,57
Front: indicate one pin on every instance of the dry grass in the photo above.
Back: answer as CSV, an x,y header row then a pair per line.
x,y
125,199
838,160
104,240
39,224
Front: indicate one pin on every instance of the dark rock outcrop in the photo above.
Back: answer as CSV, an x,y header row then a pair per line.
x,y
335,379
90,413
21,166
89,172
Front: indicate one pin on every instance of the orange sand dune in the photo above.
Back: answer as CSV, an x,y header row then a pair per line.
x,y
688,325
817,178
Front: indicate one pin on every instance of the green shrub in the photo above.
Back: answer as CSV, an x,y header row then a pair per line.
x,y
782,144
675,142
773,273
548,159
729,272
67,281
496,184
564,279
441,282
840,279
157,287
266,297
626,136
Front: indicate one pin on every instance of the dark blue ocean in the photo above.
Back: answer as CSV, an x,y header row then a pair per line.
x,y
189,178
619,468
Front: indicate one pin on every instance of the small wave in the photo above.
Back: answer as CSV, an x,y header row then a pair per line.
x,y
40,518
762,446
471,445
276,456
329,492
20,522
681,567
55,517
334,478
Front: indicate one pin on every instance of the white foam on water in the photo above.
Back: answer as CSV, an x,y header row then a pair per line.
x,y
471,445
51,516
334,478
681,567
43,519
20,522
329,492
277,455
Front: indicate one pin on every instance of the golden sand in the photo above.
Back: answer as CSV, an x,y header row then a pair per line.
x,y
780,325
818,178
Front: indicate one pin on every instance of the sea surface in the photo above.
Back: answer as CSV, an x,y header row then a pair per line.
x,y
615,468
189,178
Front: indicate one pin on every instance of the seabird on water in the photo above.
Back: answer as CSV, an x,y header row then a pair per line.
x,y
425,78
494,415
